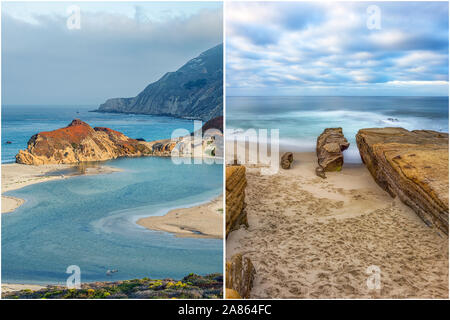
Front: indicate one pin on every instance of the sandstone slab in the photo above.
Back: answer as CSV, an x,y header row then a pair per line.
x,y
235,198
412,165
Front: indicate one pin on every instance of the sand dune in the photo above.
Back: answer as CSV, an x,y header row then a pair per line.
x,y
315,238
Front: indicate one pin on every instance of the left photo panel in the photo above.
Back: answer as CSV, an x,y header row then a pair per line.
x,y
112,150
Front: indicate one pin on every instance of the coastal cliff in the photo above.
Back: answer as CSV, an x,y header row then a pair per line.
x,y
235,193
193,91
79,142
412,165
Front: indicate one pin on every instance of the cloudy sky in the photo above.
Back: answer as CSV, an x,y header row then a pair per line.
x,y
119,49
328,49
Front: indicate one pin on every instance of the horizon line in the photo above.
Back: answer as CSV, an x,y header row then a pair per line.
x,y
239,96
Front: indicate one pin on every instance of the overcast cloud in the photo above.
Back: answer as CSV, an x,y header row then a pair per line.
x,y
327,49
119,50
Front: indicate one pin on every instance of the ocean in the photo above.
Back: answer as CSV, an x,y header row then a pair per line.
x,y
301,120
89,221
19,123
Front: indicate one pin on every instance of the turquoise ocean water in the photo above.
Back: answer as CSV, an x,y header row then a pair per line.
x,y
300,120
89,221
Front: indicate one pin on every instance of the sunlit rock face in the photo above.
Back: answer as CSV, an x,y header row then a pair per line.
x,y
79,142
412,165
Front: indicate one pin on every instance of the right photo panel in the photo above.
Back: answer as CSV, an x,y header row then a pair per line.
x,y
337,149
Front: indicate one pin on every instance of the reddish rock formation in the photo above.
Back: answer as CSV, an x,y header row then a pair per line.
x,y
79,142
330,145
240,274
235,198
412,165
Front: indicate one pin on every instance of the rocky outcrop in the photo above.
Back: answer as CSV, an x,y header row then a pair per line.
x,y
207,143
412,165
79,142
213,125
235,198
330,145
240,274
193,91
286,160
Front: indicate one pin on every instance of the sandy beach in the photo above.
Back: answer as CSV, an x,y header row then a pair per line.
x,y
11,287
16,176
203,221
316,238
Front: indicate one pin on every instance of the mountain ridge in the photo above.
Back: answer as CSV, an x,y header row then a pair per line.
x,y
193,91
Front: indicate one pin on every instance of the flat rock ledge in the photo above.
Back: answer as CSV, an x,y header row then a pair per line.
x,y
412,165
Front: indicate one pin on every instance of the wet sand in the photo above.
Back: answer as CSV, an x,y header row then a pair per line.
x,y
203,221
315,238
16,176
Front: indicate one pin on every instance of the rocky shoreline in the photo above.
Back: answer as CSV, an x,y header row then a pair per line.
x,y
311,235
79,142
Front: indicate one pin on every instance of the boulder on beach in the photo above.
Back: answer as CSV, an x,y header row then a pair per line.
x,y
286,160
330,145
412,165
